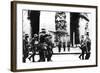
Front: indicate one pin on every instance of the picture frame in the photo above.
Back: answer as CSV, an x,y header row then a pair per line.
x,y
65,23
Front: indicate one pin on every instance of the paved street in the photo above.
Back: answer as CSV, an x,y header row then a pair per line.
x,y
72,50
73,54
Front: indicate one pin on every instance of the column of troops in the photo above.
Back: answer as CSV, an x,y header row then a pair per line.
x,y
39,45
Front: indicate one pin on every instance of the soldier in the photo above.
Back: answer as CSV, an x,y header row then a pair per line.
x,y
34,43
42,51
88,47
42,45
42,36
64,46
68,45
68,42
25,48
49,47
82,39
83,49
59,46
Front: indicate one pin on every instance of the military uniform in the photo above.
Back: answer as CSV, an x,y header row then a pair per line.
x,y
25,49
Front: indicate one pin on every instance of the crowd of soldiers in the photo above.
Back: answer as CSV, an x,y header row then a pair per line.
x,y
62,45
40,44
85,47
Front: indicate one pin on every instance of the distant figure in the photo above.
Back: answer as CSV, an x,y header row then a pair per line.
x,y
64,46
59,46
25,48
68,45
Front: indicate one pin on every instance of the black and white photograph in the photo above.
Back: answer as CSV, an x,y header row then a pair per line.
x,y
53,36
50,35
